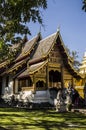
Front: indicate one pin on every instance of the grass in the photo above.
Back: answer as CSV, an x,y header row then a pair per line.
x,y
21,119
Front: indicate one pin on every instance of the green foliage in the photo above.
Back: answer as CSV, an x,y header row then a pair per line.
x,y
15,14
3,50
74,56
84,5
14,18
8,52
76,63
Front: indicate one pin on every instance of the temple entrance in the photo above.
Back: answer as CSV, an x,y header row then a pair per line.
x,y
54,83
54,78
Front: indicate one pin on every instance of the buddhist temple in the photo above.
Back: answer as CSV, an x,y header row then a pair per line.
x,y
41,65
82,71
83,65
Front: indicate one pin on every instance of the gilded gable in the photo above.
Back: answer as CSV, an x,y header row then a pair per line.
x,y
55,55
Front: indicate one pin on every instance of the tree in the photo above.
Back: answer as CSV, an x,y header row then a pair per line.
x,y
76,63
3,50
84,5
16,14
14,18
68,50
74,56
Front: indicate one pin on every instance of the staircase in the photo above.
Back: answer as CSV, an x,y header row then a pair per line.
x,y
41,96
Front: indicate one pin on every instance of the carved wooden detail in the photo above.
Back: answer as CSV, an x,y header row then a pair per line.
x,y
28,88
55,56
40,79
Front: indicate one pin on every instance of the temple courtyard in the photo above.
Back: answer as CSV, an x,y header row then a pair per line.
x,y
24,119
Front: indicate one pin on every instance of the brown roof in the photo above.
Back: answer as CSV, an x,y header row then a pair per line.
x,y
44,46
29,45
32,69
24,74
16,66
4,63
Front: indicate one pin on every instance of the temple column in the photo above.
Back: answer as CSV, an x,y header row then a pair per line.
x,y
62,76
34,85
47,76
10,85
72,82
16,85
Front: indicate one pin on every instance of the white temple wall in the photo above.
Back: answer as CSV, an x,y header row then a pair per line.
x,y
8,88
10,85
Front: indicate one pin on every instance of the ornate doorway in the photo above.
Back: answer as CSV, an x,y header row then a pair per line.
x,y
54,78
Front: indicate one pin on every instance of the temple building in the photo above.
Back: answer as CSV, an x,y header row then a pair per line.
x,y
83,65
82,71
41,65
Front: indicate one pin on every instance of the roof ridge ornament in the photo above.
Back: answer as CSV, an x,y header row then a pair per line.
x,y
58,29
39,30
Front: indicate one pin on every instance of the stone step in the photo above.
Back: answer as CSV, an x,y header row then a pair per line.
x,y
41,96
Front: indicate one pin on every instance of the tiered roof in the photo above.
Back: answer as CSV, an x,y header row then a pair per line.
x,y
35,54
23,57
43,51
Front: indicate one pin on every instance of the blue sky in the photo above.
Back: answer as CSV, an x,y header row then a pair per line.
x,y
67,14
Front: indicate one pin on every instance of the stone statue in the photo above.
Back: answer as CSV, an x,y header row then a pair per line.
x,y
60,104
68,102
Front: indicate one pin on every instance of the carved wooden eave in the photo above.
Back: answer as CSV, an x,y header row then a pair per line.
x,y
73,71
15,67
32,69
37,60
23,74
36,67
4,64
62,47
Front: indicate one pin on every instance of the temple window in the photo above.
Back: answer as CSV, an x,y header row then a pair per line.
x,y
54,78
40,84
